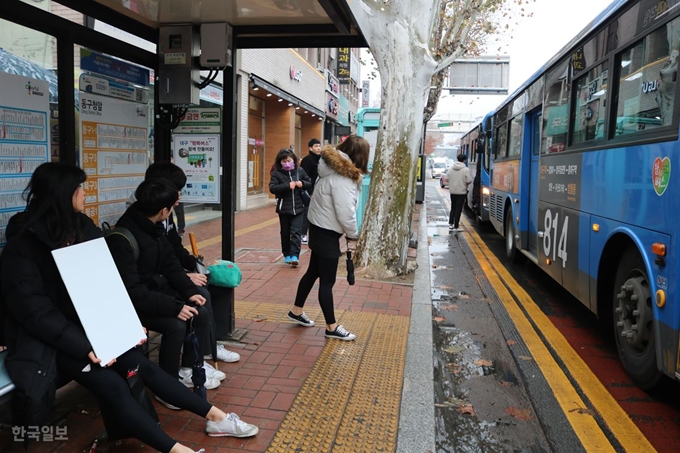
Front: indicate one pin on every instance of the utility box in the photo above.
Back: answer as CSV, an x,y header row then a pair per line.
x,y
178,74
216,45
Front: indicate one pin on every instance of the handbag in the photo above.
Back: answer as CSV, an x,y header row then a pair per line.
x,y
306,197
225,273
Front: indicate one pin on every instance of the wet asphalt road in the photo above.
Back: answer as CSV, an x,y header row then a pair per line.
x,y
656,414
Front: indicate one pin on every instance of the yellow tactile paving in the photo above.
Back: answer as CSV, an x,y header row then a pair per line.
x,y
350,401
276,312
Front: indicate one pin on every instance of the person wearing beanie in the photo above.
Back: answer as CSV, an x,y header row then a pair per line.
x,y
310,164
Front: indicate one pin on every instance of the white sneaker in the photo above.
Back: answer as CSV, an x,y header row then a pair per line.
x,y
209,383
213,373
225,355
304,239
210,372
166,404
231,426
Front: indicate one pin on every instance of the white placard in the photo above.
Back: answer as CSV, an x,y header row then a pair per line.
x,y
100,298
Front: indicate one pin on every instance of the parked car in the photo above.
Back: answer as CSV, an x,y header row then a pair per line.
x,y
444,180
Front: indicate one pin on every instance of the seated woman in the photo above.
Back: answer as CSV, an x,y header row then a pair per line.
x,y
44,334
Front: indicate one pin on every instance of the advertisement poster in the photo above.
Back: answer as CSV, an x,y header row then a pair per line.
x,y
113,153
198,155
24,139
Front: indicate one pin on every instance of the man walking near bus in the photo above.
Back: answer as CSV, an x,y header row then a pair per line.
x,y
459,181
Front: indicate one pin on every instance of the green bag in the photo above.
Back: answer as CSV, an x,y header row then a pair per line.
x,y
224,273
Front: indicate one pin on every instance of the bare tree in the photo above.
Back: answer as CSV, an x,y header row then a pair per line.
x,y
411,41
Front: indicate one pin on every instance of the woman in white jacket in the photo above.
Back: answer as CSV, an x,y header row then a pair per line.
x,y
332,213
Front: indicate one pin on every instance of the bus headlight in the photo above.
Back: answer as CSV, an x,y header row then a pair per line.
x,y
485,196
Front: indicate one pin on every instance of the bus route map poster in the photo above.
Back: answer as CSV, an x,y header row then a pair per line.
x,y
24,139
113,153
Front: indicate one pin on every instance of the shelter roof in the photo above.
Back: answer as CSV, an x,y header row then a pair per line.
x,y
257,23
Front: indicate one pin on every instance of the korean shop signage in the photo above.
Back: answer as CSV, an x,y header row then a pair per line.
x,y
332,85
343,65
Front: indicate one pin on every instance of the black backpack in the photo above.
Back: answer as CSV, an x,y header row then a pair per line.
x,y
109,231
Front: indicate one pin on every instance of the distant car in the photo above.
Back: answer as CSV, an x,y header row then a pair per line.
x,y
438,168
444,180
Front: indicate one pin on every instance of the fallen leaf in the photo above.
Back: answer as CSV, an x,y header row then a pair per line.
x,y
444,287
454,368
524,357
441,405
511,342
505,384
463,296
259,319
467,410
453,349
520,414
452,307
439,319
434,266
481,362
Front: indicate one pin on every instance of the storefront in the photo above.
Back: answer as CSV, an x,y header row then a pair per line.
x,y
283,103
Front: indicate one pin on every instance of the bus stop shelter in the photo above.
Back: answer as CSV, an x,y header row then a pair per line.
x,y
255,24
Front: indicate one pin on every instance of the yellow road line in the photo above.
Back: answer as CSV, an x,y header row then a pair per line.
x,y
217,239
593,439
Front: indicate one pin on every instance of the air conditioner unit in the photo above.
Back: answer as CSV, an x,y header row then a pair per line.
x,y
320,68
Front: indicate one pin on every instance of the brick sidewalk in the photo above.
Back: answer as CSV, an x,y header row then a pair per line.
x,y
276,355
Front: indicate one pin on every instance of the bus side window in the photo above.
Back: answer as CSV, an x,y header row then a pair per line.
x,y
556,109
590,104
647,74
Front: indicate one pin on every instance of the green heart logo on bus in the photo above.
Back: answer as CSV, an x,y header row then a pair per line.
x,y
661,174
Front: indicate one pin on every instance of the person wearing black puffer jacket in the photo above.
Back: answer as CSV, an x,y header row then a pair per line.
x,y
46,339
164,296
287,183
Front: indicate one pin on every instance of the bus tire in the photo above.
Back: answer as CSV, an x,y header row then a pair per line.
x,y
510,249
634,320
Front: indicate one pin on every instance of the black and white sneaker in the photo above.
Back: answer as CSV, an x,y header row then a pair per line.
x,y
340,333
302,319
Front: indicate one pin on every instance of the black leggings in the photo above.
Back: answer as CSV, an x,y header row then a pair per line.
x,y
113,391
325,269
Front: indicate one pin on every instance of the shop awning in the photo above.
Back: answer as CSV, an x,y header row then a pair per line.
x,y
258,82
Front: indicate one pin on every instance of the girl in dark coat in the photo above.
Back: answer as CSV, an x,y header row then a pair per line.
x,y
287,183
44,334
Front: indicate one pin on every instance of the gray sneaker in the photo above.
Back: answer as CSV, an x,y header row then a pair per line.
x,y
231,426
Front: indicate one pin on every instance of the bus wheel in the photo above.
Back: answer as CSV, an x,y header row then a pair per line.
x,y
510,249
634,321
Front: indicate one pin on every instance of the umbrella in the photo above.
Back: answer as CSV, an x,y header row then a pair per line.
x,y
197,370
350,267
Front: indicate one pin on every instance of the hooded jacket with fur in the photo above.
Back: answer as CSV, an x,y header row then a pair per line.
x,y
336,194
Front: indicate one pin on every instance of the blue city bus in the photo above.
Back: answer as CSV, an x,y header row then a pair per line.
x,y
581,178
476,145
